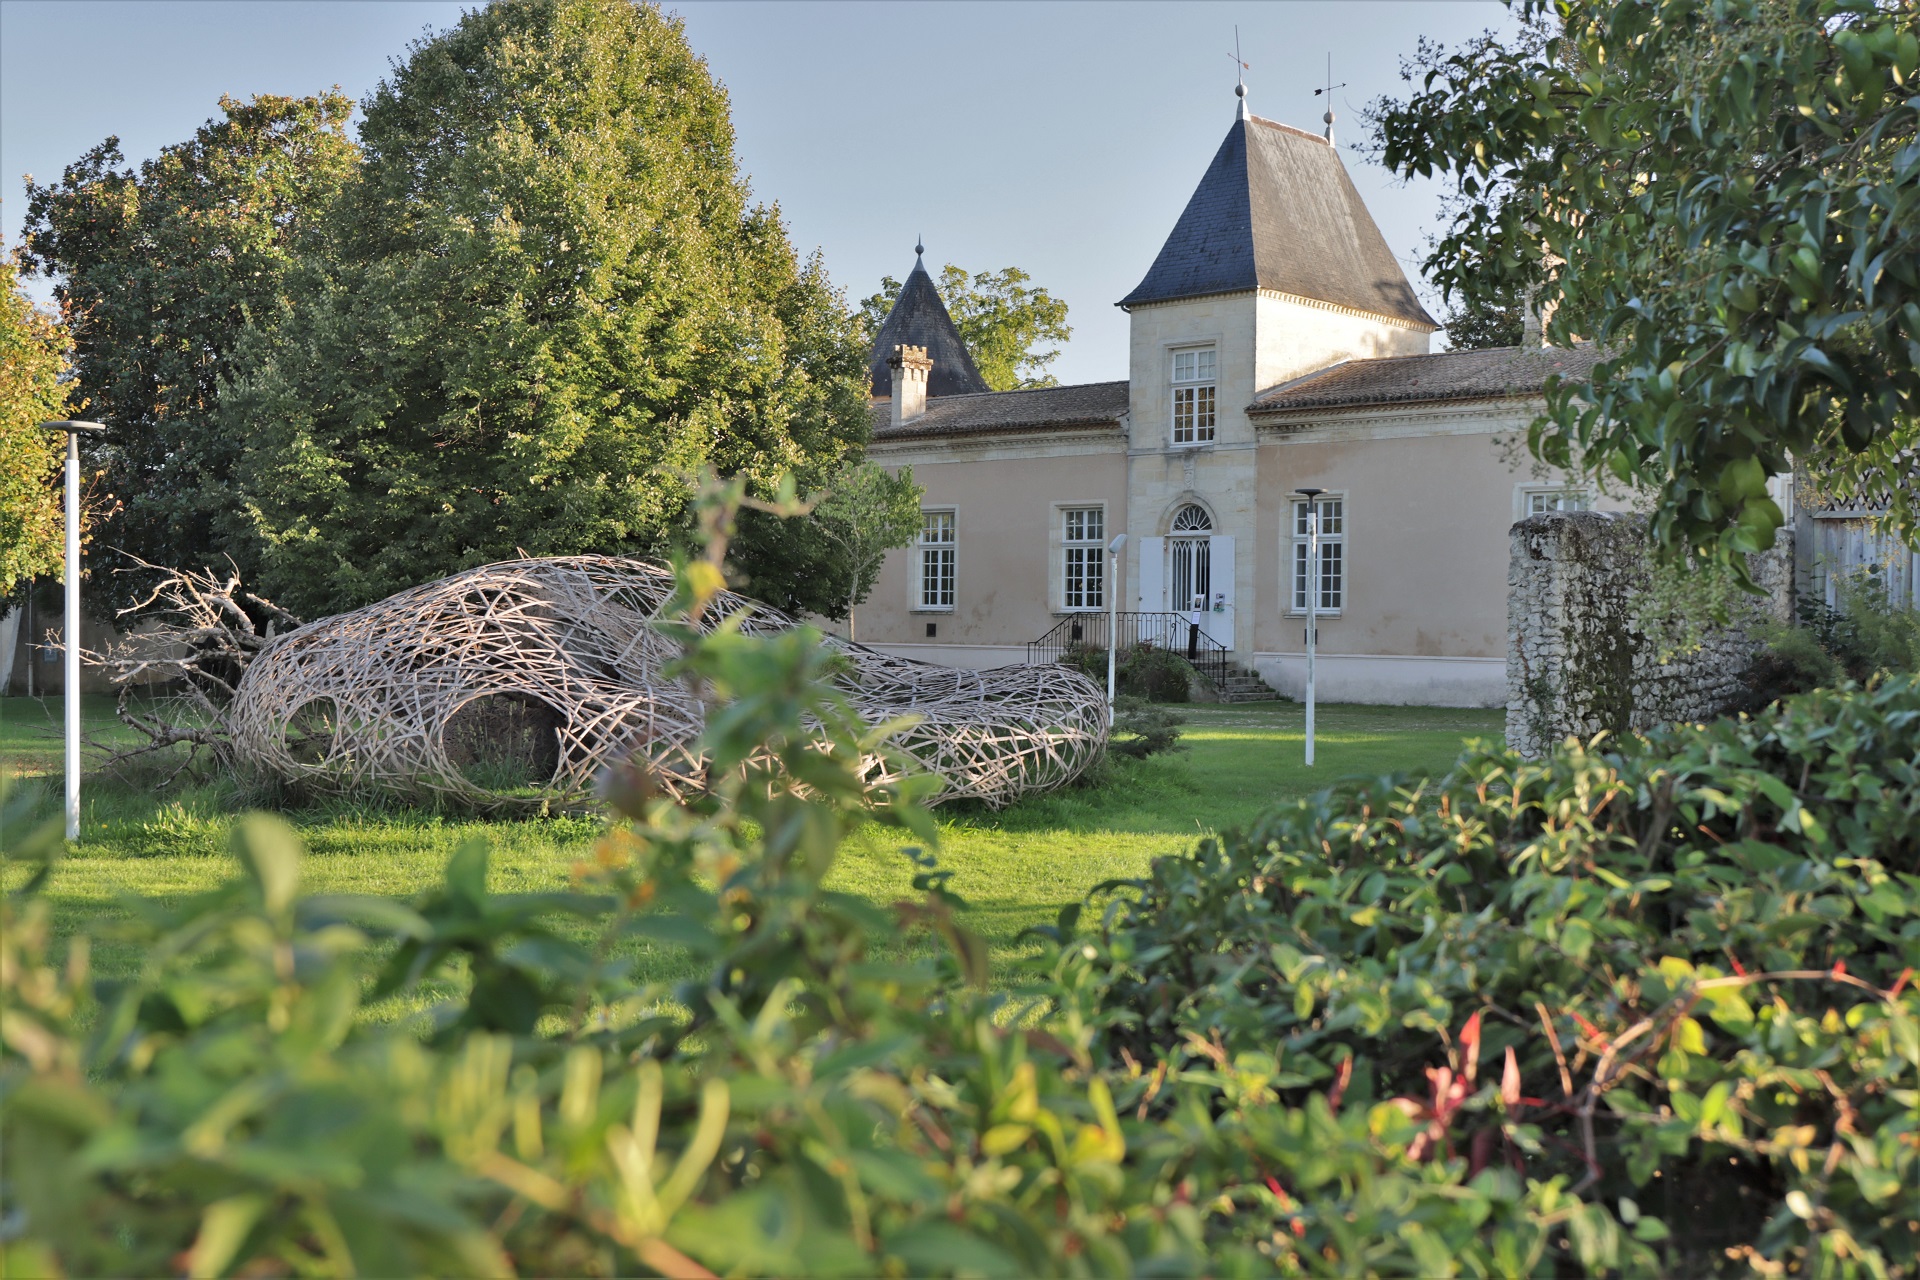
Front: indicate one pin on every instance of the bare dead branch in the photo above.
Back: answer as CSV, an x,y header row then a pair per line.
x,y
192,633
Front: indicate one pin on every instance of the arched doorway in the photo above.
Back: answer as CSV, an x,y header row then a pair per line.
x,y
1189,559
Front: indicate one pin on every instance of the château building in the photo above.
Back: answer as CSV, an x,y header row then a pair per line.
x,y
1276,344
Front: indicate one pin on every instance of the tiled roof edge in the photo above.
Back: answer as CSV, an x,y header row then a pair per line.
x,y
909,432
1022,391
1257,410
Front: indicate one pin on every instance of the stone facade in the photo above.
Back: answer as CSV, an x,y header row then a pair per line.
x,y
1578,662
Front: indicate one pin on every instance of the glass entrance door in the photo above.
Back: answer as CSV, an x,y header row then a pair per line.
x,y
1189,578
1189,560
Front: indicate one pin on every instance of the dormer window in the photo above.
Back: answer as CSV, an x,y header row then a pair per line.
x,y
1193,396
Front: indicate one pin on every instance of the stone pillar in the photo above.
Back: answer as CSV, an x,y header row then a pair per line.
x,y
1578,660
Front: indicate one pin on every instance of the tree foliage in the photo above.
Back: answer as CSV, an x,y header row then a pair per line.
x,y
1726,197
161,270
1007,326
1477,322
866,514
33,356
545,299
825,562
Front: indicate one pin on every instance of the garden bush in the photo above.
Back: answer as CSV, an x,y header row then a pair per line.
x,y
1142,729
1674,973
1863,638
1144,671
1366,1037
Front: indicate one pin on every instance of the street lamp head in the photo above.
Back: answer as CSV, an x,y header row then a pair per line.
x,y
72,428
1309,494
1118,544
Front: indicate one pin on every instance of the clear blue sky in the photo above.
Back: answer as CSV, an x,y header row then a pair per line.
x,y
1060,138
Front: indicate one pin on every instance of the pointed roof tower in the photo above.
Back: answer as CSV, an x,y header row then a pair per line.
x,y
920,319
1276,210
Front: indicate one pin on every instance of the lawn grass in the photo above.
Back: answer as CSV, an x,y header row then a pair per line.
x,y
1016,867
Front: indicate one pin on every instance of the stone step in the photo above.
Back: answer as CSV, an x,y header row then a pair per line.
x,y
1241,685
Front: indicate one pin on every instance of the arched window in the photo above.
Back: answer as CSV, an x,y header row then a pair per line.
x,y
1190,558
1192,519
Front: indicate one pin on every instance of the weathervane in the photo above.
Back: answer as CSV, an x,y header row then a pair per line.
x,y
1327,119
1239,74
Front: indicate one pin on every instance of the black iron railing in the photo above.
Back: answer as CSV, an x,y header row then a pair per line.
x,y
1088,631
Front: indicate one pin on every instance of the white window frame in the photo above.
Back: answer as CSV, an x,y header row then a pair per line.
x,y
930,552
1336,540
1525,495
1089,549
1198,394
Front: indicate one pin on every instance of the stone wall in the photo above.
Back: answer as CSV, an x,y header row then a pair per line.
x,y
1577,659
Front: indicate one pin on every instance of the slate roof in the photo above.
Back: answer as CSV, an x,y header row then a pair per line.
x,y
1276,210
1088,404
920,319
1492,373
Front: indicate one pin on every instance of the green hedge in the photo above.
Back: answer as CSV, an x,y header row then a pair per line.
x,y
1686,961
1288,1054
1144,671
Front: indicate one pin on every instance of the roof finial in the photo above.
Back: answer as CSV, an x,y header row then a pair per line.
x,y
1240,79
919,247
1327,119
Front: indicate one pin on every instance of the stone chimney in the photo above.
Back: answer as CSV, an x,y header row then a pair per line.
x,y
910,369
1537,315
1533,327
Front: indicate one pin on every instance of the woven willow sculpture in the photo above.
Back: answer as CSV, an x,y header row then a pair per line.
x,y
514,685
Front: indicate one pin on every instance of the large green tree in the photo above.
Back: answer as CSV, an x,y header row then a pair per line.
x,y
1012,331
160,270
546,299
33,350
1724,194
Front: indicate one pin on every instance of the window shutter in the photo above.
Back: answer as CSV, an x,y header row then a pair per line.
x,y
1153,575
1056,561
1220,578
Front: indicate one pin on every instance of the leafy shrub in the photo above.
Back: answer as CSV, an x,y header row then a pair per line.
x,y
1144,671
1866,634
1863,639
1141,729
1687,960
1790,660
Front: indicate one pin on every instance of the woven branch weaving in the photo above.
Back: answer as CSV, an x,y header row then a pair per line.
x,y
516,684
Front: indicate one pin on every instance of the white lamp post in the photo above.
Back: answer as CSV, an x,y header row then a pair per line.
x,y
1313,597
70,695
1114,549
